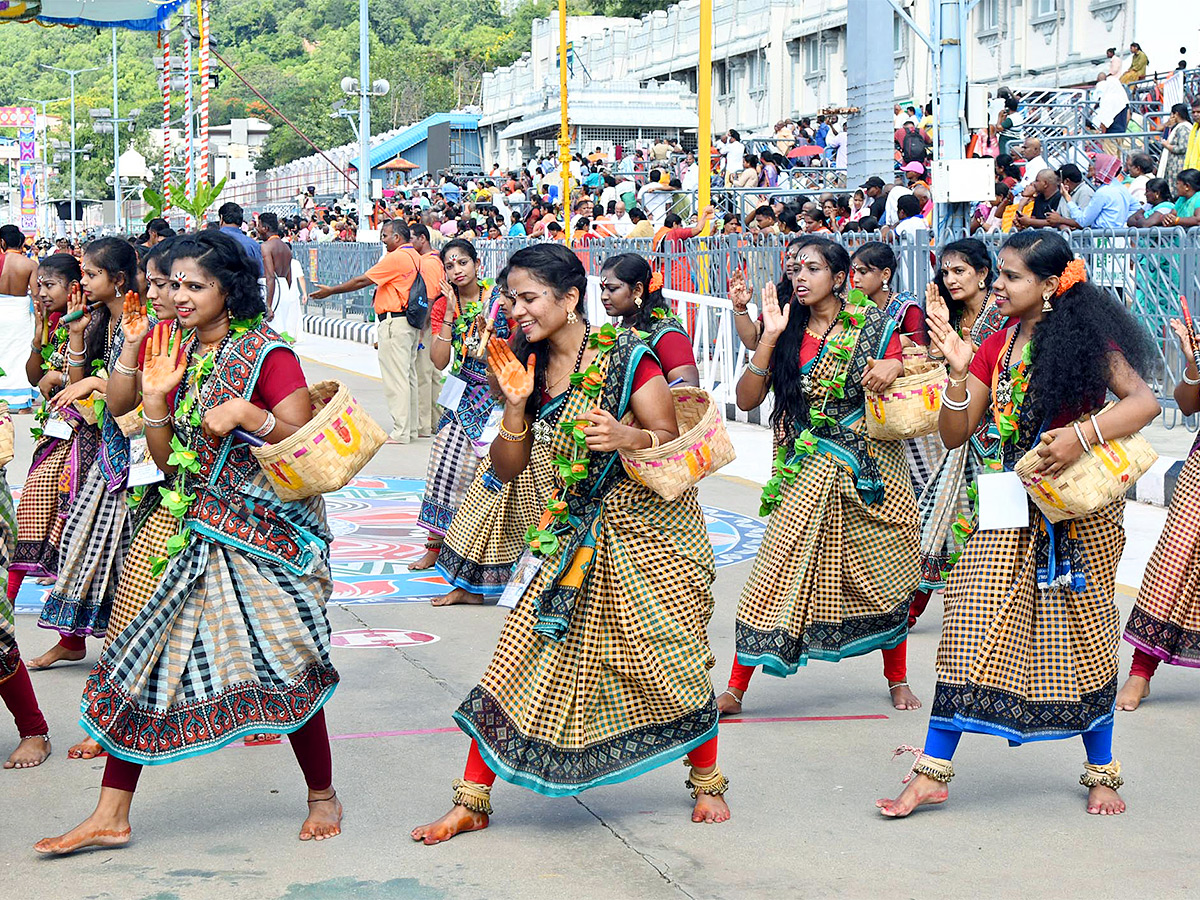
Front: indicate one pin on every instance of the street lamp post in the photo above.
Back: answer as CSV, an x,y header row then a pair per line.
x,y
45,181
72,73
103,121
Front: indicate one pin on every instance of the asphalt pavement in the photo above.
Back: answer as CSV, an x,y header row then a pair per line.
x,y
807,761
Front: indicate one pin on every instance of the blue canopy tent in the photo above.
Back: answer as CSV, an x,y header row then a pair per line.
x,y
136,15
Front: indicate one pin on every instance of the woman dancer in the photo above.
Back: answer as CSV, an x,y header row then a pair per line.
x,y
59,463
839,559
623,585
461,321
1030,633
1165,621
631,293
151,523
96,533
235,637
963,284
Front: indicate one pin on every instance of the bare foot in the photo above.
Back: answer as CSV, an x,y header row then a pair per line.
x,y
458,596
729,702
902,696
921,791
31,752
95,831
1133,692
85,749
1104,801
458,820
324,817
57,653
263,737
47,581
711,809
425,562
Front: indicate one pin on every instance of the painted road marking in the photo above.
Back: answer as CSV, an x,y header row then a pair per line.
x,y
375,638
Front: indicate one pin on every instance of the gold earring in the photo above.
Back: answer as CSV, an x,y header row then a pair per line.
x,y
571,317
1046,306
982,284
637,301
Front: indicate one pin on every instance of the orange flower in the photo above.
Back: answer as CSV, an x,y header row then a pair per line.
x,y
578,467
656,282
593,379
1075,273
557,507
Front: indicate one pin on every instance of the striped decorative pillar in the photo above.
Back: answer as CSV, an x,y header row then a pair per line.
x,y
166,94
189,132
203,90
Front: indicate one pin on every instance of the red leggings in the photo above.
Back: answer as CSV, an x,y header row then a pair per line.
x,y
310,744
17,691
1144,664
14,584
920,600
895,668
703,757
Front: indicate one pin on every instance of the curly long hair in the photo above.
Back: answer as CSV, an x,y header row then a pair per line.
x,y
785,365
1070,362
224,259
560,270
632,269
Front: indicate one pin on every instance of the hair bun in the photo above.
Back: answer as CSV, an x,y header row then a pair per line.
x,y
1075,273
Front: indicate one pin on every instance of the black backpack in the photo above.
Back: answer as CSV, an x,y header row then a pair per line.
x,y
417,312
913,148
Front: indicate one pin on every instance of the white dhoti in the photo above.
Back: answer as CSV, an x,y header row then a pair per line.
x,y
287,319
16,331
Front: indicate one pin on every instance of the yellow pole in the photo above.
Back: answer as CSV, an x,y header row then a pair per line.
x,y
704,107
564,136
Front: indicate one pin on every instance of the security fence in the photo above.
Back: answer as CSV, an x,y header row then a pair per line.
x,y
1148,269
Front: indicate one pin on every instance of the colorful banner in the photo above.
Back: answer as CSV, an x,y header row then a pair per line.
x,y
16,117
27,178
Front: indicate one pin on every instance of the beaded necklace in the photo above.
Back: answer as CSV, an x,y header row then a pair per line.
x,y
543,429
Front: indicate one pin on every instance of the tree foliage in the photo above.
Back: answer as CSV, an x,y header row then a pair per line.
x,y
295,52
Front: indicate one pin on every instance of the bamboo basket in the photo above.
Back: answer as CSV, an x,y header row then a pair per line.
x,y
910,406
703,446
1090,483
87,409
328,451
7,435
130,423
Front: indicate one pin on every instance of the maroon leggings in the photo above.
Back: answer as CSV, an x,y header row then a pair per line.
x,y
17,691
477,770
1143,664
310,743
895,668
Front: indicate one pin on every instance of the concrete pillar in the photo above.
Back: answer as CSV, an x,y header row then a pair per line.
x,y
870,87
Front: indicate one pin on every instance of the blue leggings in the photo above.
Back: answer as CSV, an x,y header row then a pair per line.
x,y
941,743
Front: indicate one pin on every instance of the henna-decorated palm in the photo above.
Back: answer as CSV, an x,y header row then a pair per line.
x,y
739,291
515,380
958,352
134,322
775,319
165,363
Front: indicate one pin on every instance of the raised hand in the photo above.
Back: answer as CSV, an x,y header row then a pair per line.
x,y
75,303
135,324
1187,341
775,320
165,363
957,352
739,290
516,380
39,322
486,330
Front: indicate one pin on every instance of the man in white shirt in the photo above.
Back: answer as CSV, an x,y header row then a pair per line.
x,y
1035,163
1112,111
733,151
624,224
655,197
691,176
891,215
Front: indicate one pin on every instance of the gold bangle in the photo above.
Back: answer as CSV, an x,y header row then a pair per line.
x,y
654,439
507,435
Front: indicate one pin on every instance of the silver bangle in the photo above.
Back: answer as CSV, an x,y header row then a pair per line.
x,y
757,370
266,427
1187,380
740,312
76,363
121,369
1082,439
1096,427
156,423
957,405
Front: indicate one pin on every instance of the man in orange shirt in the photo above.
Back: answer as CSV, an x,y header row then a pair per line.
x,y
428,383
393,277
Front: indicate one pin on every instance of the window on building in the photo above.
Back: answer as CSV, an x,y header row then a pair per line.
x,y
721,78
1045,9
989,15
757,64
812,55
899,35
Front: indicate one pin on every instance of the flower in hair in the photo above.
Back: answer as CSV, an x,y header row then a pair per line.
x,y
1075,273
656,282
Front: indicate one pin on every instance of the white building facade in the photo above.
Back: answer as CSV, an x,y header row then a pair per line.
x,y
772,59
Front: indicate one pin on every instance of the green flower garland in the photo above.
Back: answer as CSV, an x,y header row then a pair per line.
x,y
544,538
183,457
786,467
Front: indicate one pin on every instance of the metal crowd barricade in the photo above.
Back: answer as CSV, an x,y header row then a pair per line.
x,y
1148,269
